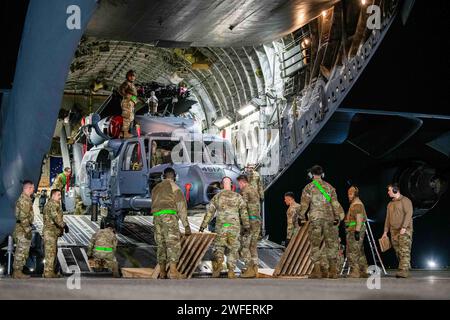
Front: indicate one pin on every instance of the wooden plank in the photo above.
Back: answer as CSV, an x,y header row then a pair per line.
x,y
195,241
199,254
265,273
287,270
193,249
286,258
303,257
141,273
299,255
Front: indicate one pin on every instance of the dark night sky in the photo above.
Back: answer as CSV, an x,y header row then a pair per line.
x,y
408,73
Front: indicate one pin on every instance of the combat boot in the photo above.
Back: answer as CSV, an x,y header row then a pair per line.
x,y
255,268
231,274
217,267
363,272
354,273
162,271
48,275
324,272
249,272
332,273
18,274
402,274
316,273
173,272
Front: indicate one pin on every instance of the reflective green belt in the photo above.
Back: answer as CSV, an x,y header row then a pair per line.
x,y
104,249
322,190
159,213
254,217
351,224
134,99
227,224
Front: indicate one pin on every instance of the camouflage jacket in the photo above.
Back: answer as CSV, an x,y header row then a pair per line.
x,y
231,212
292,215
166,195
24,215
53,218
356,216
251,198
104,240
61,182
127,88
319,207
254,180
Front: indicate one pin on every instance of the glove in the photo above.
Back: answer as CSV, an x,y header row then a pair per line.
x,y
66,228
301,223
201,229
187,231
246,232
357,235
336,222
286,243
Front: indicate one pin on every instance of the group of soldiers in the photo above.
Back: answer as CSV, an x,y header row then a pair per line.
x,y
325,213
237,227
101,249
238,223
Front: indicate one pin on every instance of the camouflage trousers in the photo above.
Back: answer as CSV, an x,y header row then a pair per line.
x,y
355,251
79,210
402,246
23,243
323,229
105,260
168,238
50,250
249,244
227,239
127,114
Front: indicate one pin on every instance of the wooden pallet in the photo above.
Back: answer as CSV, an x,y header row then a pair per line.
x,y
193,248
295,261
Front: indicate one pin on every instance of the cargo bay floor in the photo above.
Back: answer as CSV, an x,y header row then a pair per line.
x,y
422,285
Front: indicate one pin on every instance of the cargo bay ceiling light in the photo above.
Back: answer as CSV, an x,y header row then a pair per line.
x,y
245,110
222,122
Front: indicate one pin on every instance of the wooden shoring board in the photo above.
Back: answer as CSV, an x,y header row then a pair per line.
x,y
141,273
193,249
296,261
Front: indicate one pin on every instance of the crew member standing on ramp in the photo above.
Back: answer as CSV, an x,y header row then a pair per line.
x,y
169,205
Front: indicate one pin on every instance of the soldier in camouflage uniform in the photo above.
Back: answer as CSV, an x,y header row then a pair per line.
x,y
169,205
254,179
62,183
355,227
22,232
52,230
128,92
292,215
158,155
102,248
231,213
249,243
399,222
324,215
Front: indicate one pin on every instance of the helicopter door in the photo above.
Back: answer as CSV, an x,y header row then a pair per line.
x,y
133,174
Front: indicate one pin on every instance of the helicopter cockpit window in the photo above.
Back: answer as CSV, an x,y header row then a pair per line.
x,y
220,152
166,152
132,160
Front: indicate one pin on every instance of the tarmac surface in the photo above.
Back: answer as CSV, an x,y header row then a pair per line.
x,y
421,285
